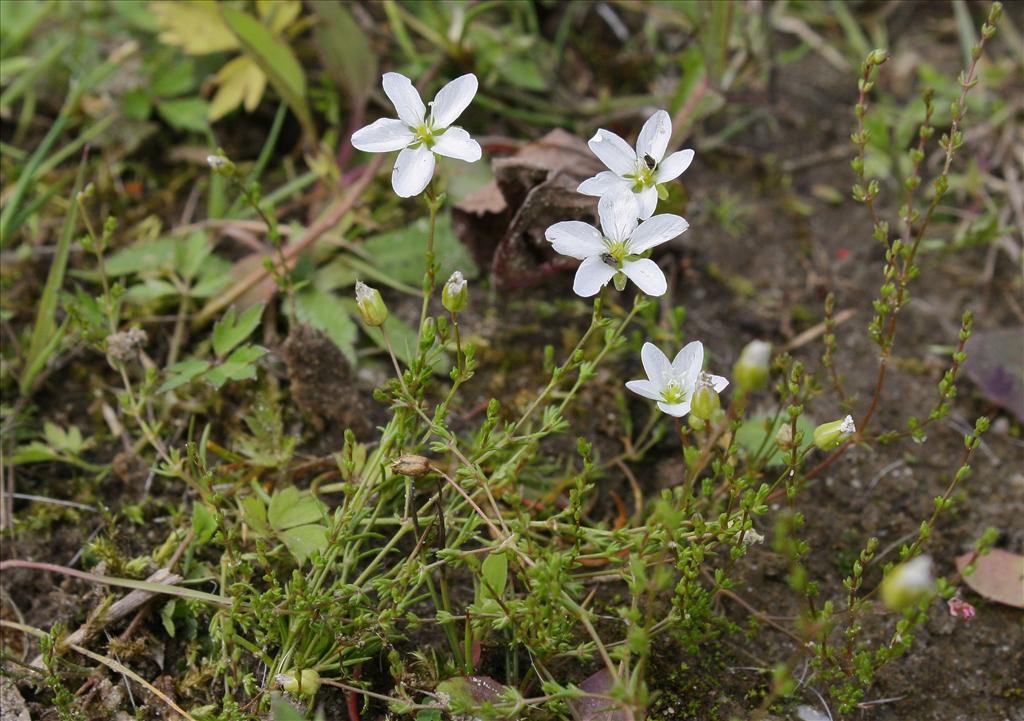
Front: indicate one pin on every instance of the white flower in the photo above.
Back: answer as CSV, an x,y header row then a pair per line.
x,y
614,249
418,135
640,171
672,384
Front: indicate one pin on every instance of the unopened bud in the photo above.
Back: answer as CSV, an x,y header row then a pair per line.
x,y
784,436
306,683
830,435
411,465
908,583
751,369
220,164
705,401
878,57
455,293
371,305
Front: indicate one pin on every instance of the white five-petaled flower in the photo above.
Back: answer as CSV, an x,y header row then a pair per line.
x,y
418,135
672,384
615,248
639,171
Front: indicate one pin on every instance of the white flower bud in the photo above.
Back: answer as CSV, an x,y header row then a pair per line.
x,y
830,435
908,584
751,369
455,293
371,305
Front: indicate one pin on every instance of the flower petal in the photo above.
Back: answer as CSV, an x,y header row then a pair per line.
x,y
413,171
656,365
452,99
604,182
653,138
618,213
592,275
675,409
689,361
655,231
575,239
647,275
405,98
673,166
456,143
718,382
647,200
613,152
382,136
645,389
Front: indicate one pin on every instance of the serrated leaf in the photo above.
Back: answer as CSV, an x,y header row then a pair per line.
x,y
34,452
150,290
181,373
399,254
232,329
303,541
290,507
149,257
167,616
494,570
275,58
185,113
751,435
326,312
241,81
204,523
240,365
196,26
254,513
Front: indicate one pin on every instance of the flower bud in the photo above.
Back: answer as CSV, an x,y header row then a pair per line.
x,y
751,370
830,435
306,683
908,584
705,401
220,165
371,305
455,293
784,436
411,465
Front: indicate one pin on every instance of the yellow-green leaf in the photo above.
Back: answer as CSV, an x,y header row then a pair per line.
x,y
196,27
275,58
241,80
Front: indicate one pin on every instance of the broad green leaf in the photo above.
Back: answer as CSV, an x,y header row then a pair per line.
x,y
204,523
275,58
281,710
181,373
255,515
233,329
751,435
400,253
185,113
34,452
326,312
190,252
289,507
150,290
240,365
494,570
345,51
167,616
302,541
136,104
149,257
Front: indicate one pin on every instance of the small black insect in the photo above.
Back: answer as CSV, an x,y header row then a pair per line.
x,y
651,162
609,259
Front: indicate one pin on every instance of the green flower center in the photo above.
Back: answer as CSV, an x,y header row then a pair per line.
x,y
617,251
674,393
425,135
642,177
